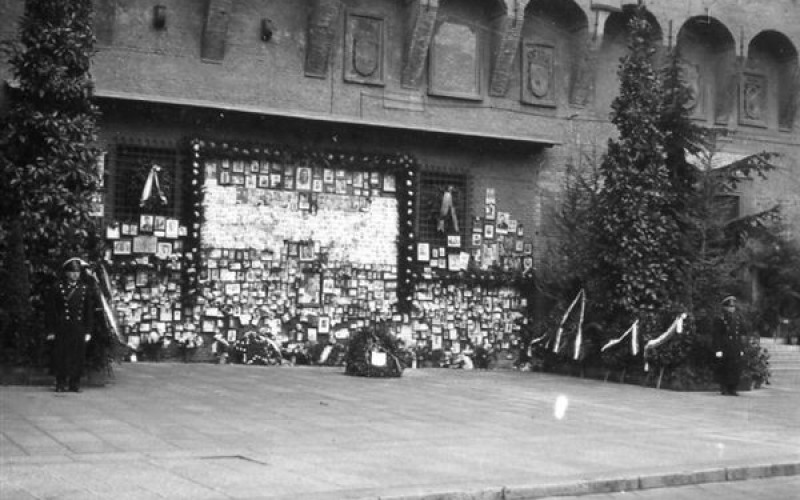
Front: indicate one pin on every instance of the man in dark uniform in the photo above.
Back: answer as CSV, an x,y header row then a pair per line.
x,y
727,332
70,320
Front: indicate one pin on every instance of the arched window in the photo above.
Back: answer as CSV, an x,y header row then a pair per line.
x,y
708,51
770,80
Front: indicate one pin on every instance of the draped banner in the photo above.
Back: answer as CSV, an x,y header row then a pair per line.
x,y
152,180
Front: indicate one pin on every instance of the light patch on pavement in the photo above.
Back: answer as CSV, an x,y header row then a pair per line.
x,y
560,408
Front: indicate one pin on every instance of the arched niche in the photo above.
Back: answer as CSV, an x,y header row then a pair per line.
x,y
708,53
553,39
770,82
613,48
458,57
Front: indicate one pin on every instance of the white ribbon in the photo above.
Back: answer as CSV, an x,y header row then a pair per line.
x,y
557,346
633,329
676,326
152,178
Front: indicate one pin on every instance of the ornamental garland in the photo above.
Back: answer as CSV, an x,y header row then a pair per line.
x,y
403,166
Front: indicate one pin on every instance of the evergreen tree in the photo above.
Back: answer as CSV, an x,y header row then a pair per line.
x,y
48,156
640,261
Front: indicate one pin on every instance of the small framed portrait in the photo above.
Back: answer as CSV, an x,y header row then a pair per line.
x,y
453,241
164,250
224,177
113,231
263,181
477,239
160,225
317,185
389,185
307,252
276,180
125,229
488,231
263,167
309,294
527,248
251,181
289,177
375,179
255,168
304,178
237,179
423,252
225,164
172,228
520,230
146,223
491,196
512,226
122,247
327,175
141,278
238,166
502,222
324,324
490,211
304,201
293,250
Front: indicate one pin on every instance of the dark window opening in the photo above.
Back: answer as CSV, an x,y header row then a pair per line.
x,y
432,227
131,171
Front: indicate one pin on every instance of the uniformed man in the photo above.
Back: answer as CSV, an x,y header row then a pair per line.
x,y
728,331
70,320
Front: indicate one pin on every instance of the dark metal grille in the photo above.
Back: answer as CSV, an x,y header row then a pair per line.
x,y
130,171
431,188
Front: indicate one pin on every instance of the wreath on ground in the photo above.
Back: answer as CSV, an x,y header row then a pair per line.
x,y
374,352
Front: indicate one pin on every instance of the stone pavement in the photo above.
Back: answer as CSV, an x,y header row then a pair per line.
x,y
202,431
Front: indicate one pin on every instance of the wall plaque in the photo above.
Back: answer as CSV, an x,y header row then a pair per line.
x,y
454,62
538,74
364,48
753,100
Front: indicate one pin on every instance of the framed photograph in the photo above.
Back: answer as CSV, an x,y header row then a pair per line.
x,y
160,225
375,179
307,252
237,179
141,278
255,168
122,247
324,324
164,250
519,246
502,222
527,263
389,185
304,178
477,239
520,230
488,231
288,177
491,196
527,248
224,177
251,181
225,164
176,315
423,252
304,201
146,223
454,262
453,241
490,212
263,167
317,186
263,181
327,175
145,244
172,228
309,294
238,166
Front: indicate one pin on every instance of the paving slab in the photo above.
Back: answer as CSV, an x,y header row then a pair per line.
x,y
173,430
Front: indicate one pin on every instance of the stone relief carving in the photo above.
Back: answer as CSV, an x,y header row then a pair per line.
x,y
364,49
753,100
538,85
